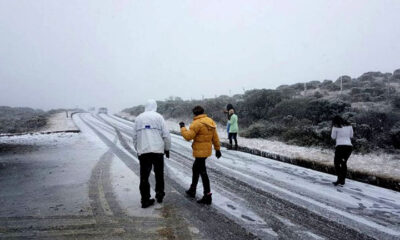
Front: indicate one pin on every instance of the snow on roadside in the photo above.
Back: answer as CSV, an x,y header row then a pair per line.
x,y
59,122
38,139
378,164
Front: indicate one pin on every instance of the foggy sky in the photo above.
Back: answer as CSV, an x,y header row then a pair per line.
x,y
120,53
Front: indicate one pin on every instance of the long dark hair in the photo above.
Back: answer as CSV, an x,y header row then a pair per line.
x,y
339,122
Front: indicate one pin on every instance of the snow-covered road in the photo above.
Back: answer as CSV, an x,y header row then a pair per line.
x,y
86,186
274,199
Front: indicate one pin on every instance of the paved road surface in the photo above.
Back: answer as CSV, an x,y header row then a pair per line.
x,y
86,186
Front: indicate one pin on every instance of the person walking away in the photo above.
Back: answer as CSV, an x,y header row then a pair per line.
x,y
151,140
342,132
203,132
233,129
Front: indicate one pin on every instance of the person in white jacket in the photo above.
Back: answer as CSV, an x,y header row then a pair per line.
x,y
151,140
342,132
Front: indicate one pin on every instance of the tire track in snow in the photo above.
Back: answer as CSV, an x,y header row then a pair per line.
x,y
207,219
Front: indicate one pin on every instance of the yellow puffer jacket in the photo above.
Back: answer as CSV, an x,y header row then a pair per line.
x,y
203,132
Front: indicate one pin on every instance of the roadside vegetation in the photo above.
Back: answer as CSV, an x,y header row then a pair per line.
x,y
20,120
301,113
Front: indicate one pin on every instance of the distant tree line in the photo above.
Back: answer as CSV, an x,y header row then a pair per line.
x,y
301,113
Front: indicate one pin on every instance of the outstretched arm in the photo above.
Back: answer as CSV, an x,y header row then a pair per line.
x,y
191,133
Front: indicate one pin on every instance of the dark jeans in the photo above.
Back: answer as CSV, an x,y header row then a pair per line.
x,y
342,154
199,169
147,161
234,137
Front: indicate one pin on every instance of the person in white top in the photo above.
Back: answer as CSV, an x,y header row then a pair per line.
x,y
342,132
151,140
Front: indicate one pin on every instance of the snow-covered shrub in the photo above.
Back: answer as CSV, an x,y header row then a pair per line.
x,y
395,135
362,145
262,129
396,102
18,120
322,110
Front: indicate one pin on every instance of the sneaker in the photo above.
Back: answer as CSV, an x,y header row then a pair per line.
x,y
148,203
160,197
191,193
206,199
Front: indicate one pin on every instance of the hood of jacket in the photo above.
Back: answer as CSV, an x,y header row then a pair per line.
x,y
203,119
151,106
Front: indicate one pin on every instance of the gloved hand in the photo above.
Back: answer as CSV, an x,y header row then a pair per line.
x,y
182,124
218,153
166,153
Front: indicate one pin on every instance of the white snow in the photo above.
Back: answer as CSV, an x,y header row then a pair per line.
x,y
357,204
59,122
126,188
38,139
378,164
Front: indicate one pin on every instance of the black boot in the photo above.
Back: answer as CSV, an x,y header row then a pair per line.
x,y
338,183
148,203
191,193
160,197
335,183
236,147
206,199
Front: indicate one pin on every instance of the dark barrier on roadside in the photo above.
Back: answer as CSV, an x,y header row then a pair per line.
x,y
380,181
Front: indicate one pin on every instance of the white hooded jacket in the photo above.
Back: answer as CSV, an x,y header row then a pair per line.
x,y
150,133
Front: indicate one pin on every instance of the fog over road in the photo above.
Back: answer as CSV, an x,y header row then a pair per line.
x,y
87,186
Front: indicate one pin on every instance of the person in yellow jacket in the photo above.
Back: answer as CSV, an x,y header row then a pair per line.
x,y
203,132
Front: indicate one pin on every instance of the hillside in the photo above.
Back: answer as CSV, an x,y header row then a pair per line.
x,y
19,120
301,113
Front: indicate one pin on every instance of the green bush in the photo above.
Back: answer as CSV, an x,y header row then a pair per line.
x,y
295,107
322,110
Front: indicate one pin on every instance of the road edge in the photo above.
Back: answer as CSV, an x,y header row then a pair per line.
x,y
365,177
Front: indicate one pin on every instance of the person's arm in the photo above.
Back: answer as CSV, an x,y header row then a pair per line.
x,y
351,132
166,136
334,133
134,137
191,133
233,119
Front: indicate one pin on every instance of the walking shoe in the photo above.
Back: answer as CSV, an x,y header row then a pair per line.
x,y
206,199
191,193
147,203
160,197
338,183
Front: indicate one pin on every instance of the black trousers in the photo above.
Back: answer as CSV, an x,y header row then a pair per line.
x,y
234,137
147,161
199,169
342,154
